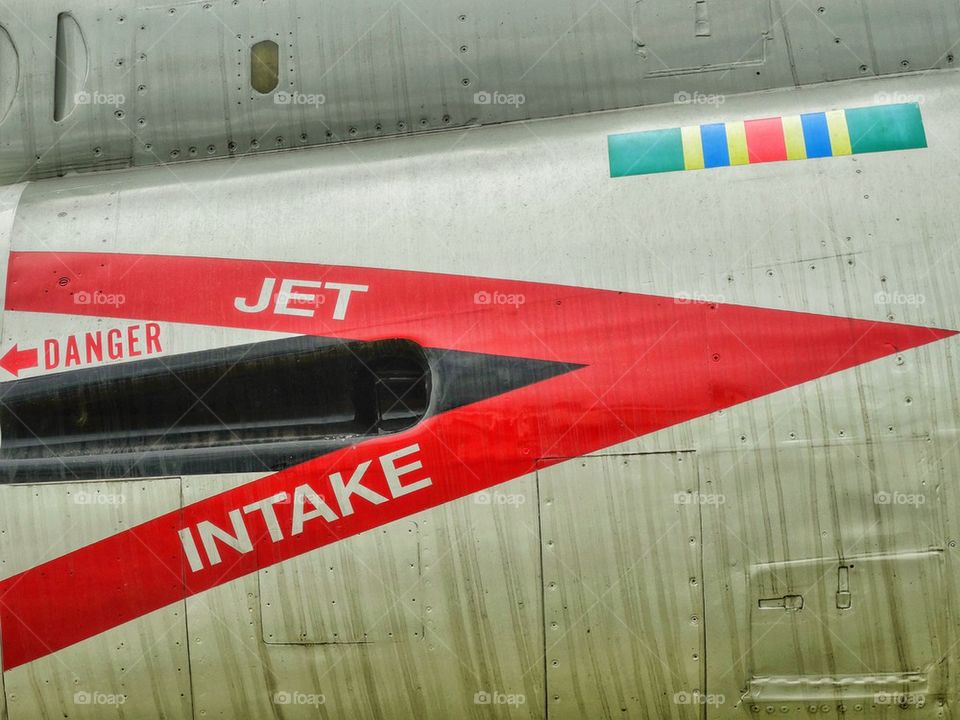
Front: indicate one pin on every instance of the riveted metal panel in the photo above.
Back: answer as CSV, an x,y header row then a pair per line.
x,y
827,236
827,579
9,200
623,596
833,39
169,83
695,36
481,639
367,592
884,612
148,674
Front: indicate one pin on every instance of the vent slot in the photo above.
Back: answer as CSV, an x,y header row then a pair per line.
x,y
9,72
70,73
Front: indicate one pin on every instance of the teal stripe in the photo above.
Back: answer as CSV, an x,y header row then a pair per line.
x,y
642,153
886,127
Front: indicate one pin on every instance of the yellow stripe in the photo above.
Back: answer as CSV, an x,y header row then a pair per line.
x,y
793,135
737,143
692,148
839,134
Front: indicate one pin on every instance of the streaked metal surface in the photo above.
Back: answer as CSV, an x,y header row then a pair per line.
x,y
623,593
141,671
799,471
168,83
9,200
773,538
313,600
481,628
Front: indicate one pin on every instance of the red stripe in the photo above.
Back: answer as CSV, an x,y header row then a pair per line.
x,y
651,362
765,141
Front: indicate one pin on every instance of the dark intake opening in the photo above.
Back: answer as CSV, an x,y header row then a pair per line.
x,y
270,403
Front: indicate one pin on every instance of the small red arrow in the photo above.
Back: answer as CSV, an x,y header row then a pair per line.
x,y
16,360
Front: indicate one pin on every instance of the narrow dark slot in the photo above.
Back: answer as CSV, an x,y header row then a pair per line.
x,y
70,69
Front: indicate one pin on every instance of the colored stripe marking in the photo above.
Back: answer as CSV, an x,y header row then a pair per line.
x,y
655,151
839,134
793,138
816,135
692,148
889,127
715,151
765,141
834,133
737,143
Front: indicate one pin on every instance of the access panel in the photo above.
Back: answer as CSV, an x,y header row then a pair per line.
x,y
827,580
623,596
139,669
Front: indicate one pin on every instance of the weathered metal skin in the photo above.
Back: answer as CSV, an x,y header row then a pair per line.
x,y
731,495
106,84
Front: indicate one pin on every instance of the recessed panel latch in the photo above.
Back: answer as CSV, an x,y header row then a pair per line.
x,y
787,602
844,598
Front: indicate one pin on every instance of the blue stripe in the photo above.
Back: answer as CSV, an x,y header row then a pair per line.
x,y
816,134
715,151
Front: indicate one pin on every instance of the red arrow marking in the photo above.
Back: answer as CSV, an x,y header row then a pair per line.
x,y
648,363
16,360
